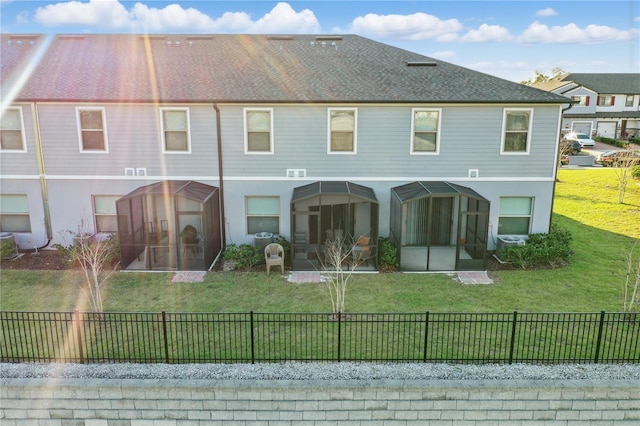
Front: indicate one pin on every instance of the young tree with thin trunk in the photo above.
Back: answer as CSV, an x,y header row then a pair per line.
x,y
632,281
623,166
338,263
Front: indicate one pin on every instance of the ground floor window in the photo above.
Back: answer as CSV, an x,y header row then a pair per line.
x,y
263,214
14,213
104,212
515,215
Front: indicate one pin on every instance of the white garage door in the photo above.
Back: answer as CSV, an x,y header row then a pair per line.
x,y
582,127
607,129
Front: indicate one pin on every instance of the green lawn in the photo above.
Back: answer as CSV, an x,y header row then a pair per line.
x,y
586,204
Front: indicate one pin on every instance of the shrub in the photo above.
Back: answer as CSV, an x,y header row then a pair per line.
x,y
245,256
635,171
614,142
387,255
7,248
542,250
635,140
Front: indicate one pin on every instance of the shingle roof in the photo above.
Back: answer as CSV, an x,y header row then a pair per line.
x,y
628,84
249,68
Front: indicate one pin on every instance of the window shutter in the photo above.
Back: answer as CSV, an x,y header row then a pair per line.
x,y
598,101
613,100
587,101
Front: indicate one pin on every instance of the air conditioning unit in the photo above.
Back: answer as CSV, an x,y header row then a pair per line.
x,y
505,241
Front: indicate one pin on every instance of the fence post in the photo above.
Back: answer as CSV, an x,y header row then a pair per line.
x,y
339,335
426,336
253,353
76,320
513,336
600,328
164,336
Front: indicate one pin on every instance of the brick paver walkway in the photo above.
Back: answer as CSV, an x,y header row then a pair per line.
x,y
188,277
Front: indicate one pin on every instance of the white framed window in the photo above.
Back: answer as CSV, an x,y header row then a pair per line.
x,y
104,213
12,131
606,100
515,215
628,101
258,130
92,129
176,138
343,130
582,100
516,130
14,213
425,134
263,214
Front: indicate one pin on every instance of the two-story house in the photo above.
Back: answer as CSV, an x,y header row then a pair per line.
x,y
180,144
606,105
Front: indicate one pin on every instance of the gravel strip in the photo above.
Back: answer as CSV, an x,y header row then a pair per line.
x,y
324,371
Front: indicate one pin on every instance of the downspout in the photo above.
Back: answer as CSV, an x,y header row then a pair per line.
x,y
557,165
221,179
41,173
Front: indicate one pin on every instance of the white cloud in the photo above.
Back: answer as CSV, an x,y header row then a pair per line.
x,y
23,17
100,13
418,26
487,33
142,18
571,33
546,12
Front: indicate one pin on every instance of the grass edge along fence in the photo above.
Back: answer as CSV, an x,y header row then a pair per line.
x,y
479,338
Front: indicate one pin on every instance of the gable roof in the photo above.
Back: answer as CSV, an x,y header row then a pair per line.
x,y
249,68
605,83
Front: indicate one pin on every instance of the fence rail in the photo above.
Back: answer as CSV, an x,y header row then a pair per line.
x,y
550,338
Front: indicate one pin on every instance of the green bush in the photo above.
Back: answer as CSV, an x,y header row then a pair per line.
x,y
286,246
614,142
245,256
635,171
7,248
634,140
542,250
387,255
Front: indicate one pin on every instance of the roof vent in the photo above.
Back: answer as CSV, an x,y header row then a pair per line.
x,y
71,37
329,37
199,38
280,37
421,64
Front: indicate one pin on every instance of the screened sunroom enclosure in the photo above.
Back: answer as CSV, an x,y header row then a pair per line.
x,y
439,226
170,225
324,213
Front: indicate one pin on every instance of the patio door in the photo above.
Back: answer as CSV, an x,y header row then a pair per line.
x,y
441,221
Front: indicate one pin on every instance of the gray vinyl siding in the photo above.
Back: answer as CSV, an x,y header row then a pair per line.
x,y
470,138
22,163
134,140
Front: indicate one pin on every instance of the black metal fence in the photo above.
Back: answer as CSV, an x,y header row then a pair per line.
x,y
549,338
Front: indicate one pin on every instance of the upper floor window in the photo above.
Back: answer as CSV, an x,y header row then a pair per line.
x,y
11,130
606,100
516,131
342,130
258,134
425,124
263,214
92,130
628,102
515,215
175,130
582,100
104,212
14,213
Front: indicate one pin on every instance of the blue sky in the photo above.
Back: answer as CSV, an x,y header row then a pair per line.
x,y
508,39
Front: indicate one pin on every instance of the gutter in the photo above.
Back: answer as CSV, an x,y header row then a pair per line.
x,y
221,179
41,174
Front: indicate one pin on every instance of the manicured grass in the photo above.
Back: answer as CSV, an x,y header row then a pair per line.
x,y
586,204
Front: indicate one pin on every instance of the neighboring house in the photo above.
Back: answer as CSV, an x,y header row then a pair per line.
x,y
607,105
181,144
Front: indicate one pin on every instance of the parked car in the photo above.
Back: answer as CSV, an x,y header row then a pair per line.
x,y
622,158
582,138
569,147
564,160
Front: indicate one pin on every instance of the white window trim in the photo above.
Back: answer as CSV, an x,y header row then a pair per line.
x,y
504,129
104,130
24,144
95,214
530,215
355,131
246,132
162,130
247,215
21,213
413,115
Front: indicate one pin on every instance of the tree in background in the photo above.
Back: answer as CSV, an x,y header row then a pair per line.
x,y
541,77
